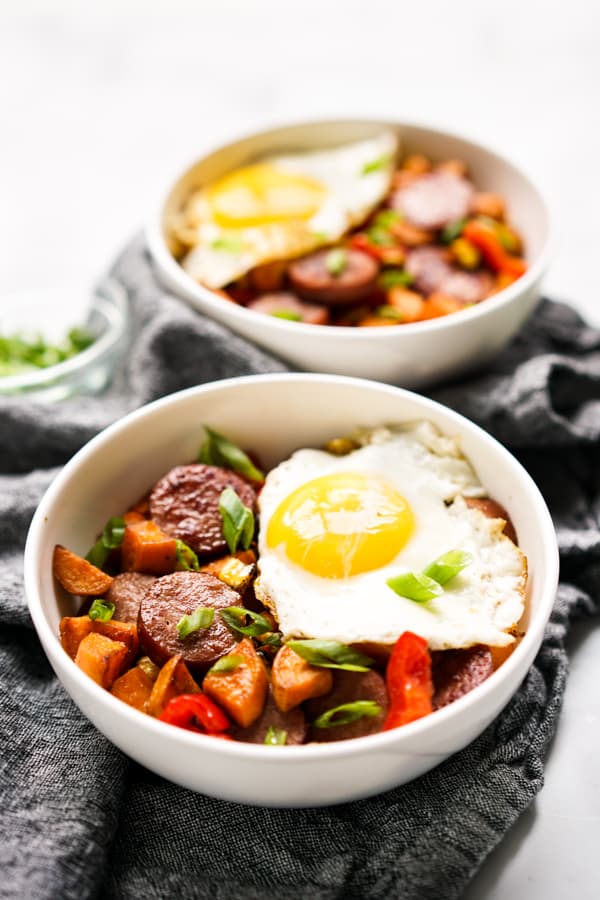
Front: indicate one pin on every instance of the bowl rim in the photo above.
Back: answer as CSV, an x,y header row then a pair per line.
x,y
110,298
166,262
382,741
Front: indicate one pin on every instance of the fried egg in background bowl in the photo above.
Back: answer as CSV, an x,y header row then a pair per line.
x,y
333,529
280,206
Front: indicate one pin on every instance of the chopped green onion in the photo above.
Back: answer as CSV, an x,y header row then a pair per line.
x,y
446,567
272,640
220,451
452,230
275,737
235,617
238,520
148,667
101,610
288,314
376,165
389,312
380,236
395,278
419,588
186,558
22,353
331,655
227,663
110,539
202,617
336,261
347,713
320,236
227,244
387,217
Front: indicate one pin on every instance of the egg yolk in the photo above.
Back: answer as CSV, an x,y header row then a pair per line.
x,y
256,195
342,524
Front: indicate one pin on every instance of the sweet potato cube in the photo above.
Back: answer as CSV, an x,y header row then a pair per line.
x,y
77,575
294,680
146,548
73,629
125,632
242,691
134,688
173,679
102,659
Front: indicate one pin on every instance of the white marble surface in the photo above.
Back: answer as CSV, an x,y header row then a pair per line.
x,y
101,102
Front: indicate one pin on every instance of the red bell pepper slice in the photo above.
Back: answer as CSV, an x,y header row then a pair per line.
x,y
408,680
195,712
492,250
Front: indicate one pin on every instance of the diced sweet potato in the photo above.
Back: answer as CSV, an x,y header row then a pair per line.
x,y
132,516
409,303
77,575
294,680
102,659
73,629
173,679
126,632
242,691
134,688
146,548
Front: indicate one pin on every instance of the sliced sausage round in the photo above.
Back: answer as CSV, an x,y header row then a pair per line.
x,y
348,687
429,267
494,510
470,287
287,305
312,278
127,592
180,594
434,199
292,722
185,504
456,672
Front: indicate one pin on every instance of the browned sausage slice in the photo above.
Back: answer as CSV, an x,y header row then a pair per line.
x,y
312,278
494,510
185,504
348,687
177,595
127,592
456,672
429,267
434,199
289,306
292,722
470,287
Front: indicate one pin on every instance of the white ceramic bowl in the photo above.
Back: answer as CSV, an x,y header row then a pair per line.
x,y
411,355
273,415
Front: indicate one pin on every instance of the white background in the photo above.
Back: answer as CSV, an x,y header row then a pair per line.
x,y
101,103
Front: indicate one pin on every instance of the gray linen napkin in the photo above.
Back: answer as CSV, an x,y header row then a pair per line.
x,y
79,820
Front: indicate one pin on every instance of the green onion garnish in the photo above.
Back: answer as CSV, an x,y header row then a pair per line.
x,y
347,713
21,353
227,244
380,236
419,588
219,451
376,164
288,314
275,737
238,520
336,261
446,567
202,617
227,663
272,640
331,655
387,217
186,558
395,278
452,230
101,610
235,617
110,539
389,312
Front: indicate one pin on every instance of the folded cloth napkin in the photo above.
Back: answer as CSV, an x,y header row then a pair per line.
x,y
78,819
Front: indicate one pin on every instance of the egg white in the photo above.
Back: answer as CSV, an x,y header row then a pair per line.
x,y
480,605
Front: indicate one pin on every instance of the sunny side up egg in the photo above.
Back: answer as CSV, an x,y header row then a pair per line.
x,y
334,529
284,206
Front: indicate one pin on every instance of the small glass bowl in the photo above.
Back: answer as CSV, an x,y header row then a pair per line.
x,y
51,314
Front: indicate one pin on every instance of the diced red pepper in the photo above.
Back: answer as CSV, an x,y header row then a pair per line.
x,y
483,237
195,712
408,680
